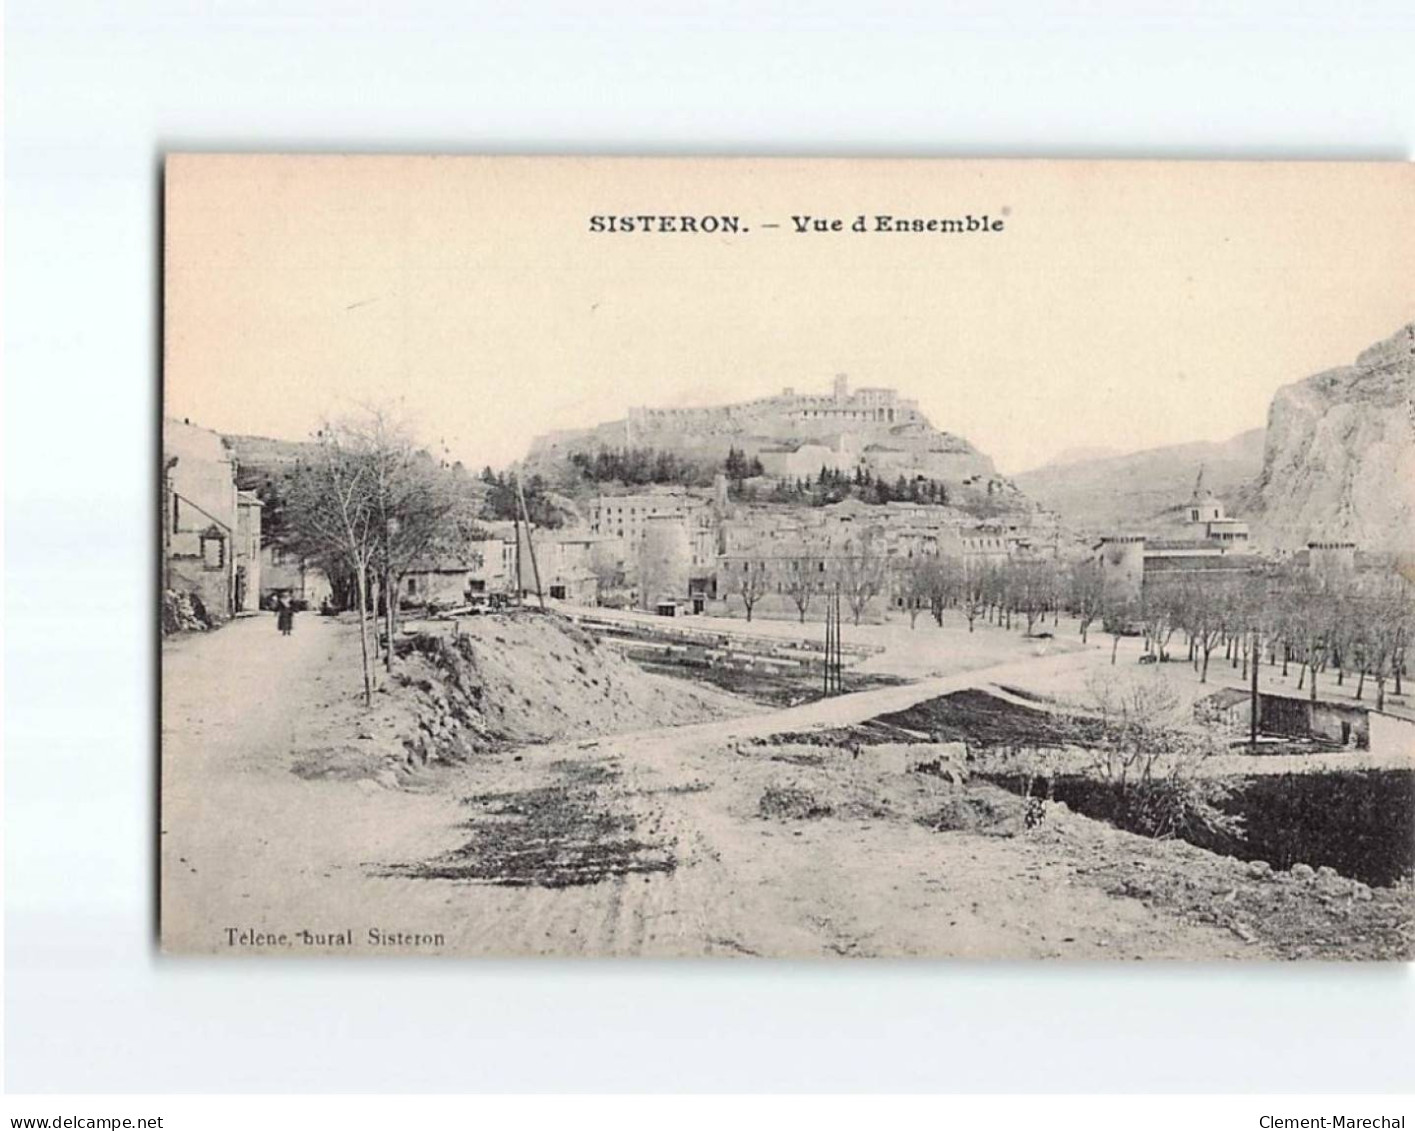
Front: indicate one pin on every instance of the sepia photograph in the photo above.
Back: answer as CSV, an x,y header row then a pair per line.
x,y
787,558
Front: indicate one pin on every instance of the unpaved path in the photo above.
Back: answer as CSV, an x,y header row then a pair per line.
x,y
244,840
248,846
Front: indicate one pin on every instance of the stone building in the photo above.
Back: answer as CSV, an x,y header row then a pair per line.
x,y
619,524
483,566
570,564
789,546
495,566
285,575
1206,544
1332,559
246,551
1206,520
1131,562
665,561
211,530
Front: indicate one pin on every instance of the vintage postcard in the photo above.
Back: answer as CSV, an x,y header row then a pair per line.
x,y
787,558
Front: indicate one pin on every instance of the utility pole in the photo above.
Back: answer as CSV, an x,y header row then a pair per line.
x,y
831,681
516,534
839,661
1253,698
535,569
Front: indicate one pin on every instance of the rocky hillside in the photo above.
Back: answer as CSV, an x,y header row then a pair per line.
x,y
904,444
1340,455
1123,492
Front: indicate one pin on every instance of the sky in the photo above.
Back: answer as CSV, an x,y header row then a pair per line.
x,y
1123,305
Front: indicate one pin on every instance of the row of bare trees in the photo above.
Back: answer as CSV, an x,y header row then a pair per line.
x,y
364,505
1024,592
1352,623
859,572
1357,624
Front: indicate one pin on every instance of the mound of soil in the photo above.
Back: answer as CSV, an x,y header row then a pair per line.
x,y
523,678
976,810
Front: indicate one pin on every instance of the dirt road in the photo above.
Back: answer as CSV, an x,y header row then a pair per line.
x,y
257,859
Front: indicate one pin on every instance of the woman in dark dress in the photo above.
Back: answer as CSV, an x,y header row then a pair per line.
x,y
284,616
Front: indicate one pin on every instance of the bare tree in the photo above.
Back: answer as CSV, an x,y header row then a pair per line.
x,y
1150,759
1031,589
945,581
1313,624
1161,610
1250,602
747,579
1136,714
973,591
915,585
1086,594
1202,615
860,571
801,580
331,513
418,505
1385,604
1117,615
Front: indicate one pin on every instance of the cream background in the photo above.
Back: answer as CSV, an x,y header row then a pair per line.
x,y
1125,305
95,94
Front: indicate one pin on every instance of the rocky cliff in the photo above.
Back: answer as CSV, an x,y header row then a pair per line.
x,y
1339,461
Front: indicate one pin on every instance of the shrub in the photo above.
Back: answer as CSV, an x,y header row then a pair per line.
x,y
791,803
1151,761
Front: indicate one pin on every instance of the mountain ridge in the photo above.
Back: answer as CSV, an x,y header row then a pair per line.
x,y
1130,490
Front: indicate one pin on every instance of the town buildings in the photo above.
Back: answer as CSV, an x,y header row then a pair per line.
x,y
1205,543
211,530
626,517
285,576
792,547
508,559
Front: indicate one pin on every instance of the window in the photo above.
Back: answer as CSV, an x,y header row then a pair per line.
x,y
412,587
213,551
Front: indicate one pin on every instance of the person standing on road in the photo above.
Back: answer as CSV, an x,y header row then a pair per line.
x,y
285,616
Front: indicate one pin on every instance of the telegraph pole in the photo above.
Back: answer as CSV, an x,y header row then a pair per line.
x,y
516,534
535,569
831,679
1253,698
839,654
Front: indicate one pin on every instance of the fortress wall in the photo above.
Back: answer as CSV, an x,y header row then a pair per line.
x,y
878,405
